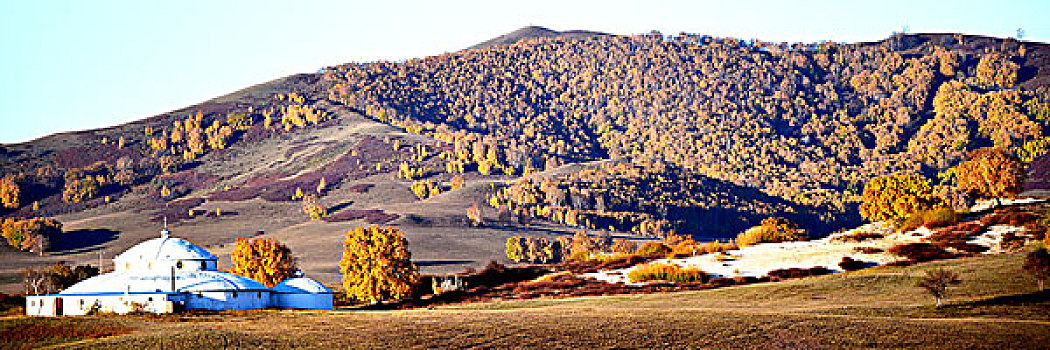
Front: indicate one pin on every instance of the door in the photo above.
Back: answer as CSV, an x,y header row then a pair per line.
x,y
58,306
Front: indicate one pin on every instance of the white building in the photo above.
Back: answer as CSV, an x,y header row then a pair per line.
x,y
168,274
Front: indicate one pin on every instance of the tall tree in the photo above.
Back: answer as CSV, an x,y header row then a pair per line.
x,y
376,264
990,172
264,260
894,197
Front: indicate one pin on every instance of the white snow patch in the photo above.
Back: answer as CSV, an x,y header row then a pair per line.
x,y
985,204
758,260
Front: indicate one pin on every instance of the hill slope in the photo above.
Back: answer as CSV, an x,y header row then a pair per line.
x,y
534,32
641,135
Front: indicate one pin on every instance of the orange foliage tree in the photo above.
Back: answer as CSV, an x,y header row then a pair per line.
x,y
990,172
894,197
265,260
376,264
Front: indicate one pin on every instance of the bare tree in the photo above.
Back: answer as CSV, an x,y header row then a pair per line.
x,y
37,282
1038,264
936,283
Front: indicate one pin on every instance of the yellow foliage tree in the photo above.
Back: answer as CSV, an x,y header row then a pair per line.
x,y
516,248
990,172
77,191
772,230
312,207
266,261
894,197
997,70
9,193
376,264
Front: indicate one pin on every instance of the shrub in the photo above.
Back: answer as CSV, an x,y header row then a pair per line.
x,y
716,247
933,218
858,236
849,264
772,230
936,283
1037,263
920,252
796,272
894,197
623,246
653,249
868,250
667,272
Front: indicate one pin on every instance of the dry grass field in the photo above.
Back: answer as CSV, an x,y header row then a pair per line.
x,y
996,307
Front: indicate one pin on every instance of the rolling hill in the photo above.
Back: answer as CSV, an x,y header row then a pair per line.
x,y
641,135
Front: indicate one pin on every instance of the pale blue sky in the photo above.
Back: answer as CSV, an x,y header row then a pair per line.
x,y
71,65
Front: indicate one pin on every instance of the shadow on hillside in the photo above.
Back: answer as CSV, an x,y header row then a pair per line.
x,y
743,207
340,206
1013,300
422,263
81,241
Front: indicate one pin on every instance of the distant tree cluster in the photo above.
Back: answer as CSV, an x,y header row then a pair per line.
x,y
537,249
33,234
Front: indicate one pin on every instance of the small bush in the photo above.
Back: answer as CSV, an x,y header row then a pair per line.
x,y
653,249
920,252
849,264
868,250
795,272
933,218
667,272
772,230
623,246
858,236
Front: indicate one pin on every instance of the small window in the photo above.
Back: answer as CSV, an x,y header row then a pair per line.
x,y
234,294
81,302
32,303
179,265
259,295
150,299
204,265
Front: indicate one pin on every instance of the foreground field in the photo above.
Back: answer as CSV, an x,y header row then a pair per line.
x,y
996,307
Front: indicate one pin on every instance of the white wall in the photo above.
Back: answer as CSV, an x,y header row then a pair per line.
x,y
228,300
302,301
46,305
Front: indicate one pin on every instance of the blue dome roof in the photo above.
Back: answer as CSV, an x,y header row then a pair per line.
x,y
166,248
301,285
195,281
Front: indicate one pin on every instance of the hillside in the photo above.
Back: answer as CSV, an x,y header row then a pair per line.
x,y
996,306
534,32
640,135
